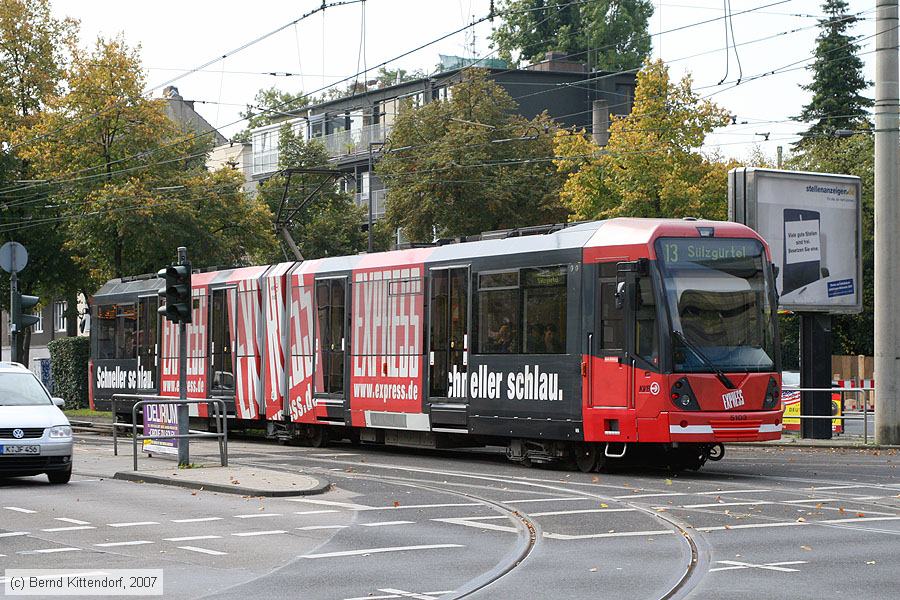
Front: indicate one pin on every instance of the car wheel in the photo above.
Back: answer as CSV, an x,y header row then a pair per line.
x,y
57,477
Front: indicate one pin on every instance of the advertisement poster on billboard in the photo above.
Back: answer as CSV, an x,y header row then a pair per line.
x,y
161,420
812,224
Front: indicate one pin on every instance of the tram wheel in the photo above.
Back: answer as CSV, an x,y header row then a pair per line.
x,y
317,436
585,456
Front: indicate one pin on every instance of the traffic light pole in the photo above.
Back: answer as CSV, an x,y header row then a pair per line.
x,y
13,313
184,458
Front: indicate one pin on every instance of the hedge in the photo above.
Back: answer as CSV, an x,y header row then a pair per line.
x,y
69,368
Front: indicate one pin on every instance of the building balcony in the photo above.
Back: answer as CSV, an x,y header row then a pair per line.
x,y
354,141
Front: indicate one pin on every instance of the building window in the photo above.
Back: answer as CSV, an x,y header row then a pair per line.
x,y
59,316
39,326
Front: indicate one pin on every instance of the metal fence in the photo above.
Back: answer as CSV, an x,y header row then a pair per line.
x,y
858,415
219,416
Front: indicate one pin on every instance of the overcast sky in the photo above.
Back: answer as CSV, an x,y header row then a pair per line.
x,y
176,37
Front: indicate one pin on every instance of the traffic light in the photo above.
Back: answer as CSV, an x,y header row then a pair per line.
x,y
22,307
177,293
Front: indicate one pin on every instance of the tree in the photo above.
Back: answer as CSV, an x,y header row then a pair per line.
x,y
270,105
469,164
855,155
837,78
388,77
651,166
135,184
330,224
609,35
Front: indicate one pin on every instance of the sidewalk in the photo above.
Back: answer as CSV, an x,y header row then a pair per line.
x,y
794,441
99,461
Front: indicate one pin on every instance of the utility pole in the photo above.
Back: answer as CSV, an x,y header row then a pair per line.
x,y
184,417
887,223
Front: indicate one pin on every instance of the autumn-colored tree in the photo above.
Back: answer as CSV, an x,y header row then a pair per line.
x,y
132,184
652,166
469,164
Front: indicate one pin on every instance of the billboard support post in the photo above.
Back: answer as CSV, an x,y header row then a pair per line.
x,y
887,221
815,372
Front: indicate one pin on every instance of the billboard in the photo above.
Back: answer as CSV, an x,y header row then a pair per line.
x,y
812,222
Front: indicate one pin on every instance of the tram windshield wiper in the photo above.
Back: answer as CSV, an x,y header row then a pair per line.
x,y
705,360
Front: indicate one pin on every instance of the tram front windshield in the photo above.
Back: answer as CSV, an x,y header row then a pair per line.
x,y
720,304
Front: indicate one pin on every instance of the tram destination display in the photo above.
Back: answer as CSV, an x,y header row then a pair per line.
x,y
812,222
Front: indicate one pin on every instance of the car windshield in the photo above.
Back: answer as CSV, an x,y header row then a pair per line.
x,y
719,300
21,389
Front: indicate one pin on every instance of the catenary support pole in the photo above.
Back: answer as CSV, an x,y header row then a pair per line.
x,y
184,455
887,224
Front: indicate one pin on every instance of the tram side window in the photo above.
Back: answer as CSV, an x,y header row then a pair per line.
x,y
646,340
146,332
106,331
126,326
498,313
612,319
544,302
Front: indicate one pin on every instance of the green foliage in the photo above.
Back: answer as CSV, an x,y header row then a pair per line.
x,y
651,166
148,190
388,77
609,35
469,164
330,224
270,105
855,155
837,78
69,369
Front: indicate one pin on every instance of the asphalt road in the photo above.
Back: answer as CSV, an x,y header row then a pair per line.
x,y
762,523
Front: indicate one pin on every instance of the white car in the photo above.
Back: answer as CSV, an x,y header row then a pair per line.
x,y
35,435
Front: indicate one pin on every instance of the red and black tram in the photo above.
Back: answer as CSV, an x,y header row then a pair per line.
x,y
596,340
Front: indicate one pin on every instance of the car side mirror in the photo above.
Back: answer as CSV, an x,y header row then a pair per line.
x,y
620,295
59,402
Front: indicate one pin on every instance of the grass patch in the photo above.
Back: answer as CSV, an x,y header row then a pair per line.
x,y
87,412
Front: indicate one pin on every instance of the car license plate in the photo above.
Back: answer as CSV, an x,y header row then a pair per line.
x,y
11,450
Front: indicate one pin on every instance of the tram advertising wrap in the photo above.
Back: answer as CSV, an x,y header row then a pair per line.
x,y
812,224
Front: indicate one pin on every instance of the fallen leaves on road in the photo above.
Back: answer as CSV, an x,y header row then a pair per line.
x,y
396,504
801,520
805,548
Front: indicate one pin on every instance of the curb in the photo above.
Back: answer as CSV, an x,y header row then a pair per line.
x,y
800,444
321,486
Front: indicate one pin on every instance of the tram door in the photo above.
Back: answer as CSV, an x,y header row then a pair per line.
x,y
448,345
221,350
610,373
332,343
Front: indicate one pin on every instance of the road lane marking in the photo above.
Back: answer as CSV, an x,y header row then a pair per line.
x,y
346,505
837,487
813,500
775,566
387,523
72,521
49,551
72,528
524,500
399,506
13,534
859,498
731,492
469,522
341,454
580,512
202,550
192,538
315,512
316,527
755,525
134,524
131,543
257,515
253,533
714,504
21,510
198,520
654,495
382,550
392,593
859,520
612,534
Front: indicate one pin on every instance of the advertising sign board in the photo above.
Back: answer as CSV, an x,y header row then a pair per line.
x,y
161,420
812,222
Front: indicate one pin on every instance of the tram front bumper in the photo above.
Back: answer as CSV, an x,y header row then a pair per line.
x,y
750,426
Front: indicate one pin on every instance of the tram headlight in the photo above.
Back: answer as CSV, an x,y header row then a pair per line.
x,y
683,396
773,395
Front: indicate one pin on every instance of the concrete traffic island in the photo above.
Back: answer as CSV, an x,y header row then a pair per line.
x,y
241,480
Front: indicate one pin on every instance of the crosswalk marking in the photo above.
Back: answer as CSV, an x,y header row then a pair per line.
x,y
21,510
203,550
132,543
